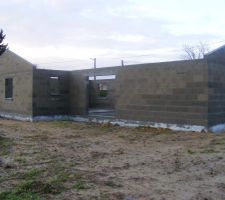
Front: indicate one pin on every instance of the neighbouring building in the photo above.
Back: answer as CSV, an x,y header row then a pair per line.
x,y
182,93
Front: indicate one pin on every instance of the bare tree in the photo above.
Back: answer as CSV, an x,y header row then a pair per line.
x,y
195,52
3,46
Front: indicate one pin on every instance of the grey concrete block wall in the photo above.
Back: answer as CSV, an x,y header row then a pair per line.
x,y
171,92
21,71
78,94
105,71
216,84
71,100
44,101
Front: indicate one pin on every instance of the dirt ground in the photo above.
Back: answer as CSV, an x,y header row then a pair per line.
x,y
68,160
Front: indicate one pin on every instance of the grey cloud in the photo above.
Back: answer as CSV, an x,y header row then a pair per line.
x,y
85,23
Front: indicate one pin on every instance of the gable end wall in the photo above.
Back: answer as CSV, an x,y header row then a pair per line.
x,y
21,71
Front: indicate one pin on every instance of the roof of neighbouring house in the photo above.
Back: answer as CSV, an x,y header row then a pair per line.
x,y
215,50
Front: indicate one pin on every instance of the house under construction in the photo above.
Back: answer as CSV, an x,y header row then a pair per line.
x,y
190,92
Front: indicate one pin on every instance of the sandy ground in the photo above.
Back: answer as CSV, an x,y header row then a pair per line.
x,y
90,161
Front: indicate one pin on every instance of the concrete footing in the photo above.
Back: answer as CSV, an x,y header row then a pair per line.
x,y
125,123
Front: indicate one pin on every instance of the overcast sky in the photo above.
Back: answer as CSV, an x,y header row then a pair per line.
x,y
65,34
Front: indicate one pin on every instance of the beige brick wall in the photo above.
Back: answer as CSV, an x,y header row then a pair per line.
x,y
13,66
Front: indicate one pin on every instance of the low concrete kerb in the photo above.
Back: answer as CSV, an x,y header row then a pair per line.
x,y
124,123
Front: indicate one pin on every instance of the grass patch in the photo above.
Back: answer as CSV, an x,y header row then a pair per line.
x,y
218,141
29,190
63,124
33,188
80,185
38,187
103,93
220,158
55,184
59,179
69,125
107,128
152,129
5,144
32,174
42,136
13,195
191,151
112,184
21,159
208,151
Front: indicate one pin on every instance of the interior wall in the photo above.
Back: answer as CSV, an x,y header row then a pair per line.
x,y
95,100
